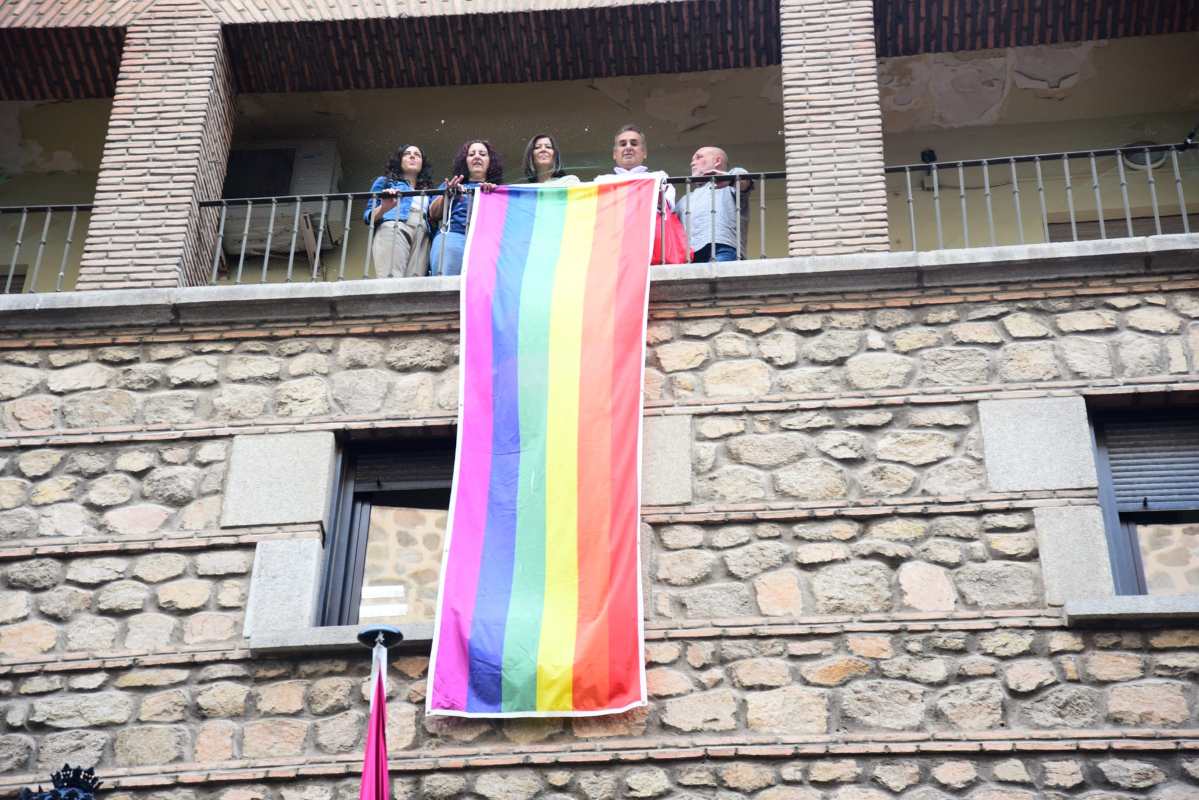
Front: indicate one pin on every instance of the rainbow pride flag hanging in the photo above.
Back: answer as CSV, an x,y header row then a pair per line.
x,y
540,600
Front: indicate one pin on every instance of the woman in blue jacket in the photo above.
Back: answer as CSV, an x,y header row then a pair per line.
x,y
401,244
477,165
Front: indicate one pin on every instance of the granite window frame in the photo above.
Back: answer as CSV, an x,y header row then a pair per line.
x,y
1072,537
367,472
1120,524
1084,601
289,482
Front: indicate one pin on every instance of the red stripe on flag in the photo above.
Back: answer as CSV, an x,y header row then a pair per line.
x,y
591,682
629,346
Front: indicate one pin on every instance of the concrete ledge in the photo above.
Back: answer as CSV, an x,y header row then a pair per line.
x,y
784,276
417,636
1126,608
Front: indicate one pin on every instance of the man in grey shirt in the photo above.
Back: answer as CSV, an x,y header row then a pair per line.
x,y
695,208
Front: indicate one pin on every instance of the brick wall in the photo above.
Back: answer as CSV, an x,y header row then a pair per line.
x,y
836,194
166,149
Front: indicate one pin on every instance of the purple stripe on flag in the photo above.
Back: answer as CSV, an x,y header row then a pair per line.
x,y
474,467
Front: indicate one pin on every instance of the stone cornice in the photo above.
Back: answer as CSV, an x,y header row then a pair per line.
x,y
936,270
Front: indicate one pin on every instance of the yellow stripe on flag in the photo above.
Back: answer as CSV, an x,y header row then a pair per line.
x,y
556,651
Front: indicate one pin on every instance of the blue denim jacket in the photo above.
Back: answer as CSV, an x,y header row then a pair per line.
x,y
398,212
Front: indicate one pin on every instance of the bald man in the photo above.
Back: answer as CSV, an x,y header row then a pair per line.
x,y
714,237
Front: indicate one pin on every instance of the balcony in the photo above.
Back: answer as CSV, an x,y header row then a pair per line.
x,y
1087,195
49,167
1077,196
981,150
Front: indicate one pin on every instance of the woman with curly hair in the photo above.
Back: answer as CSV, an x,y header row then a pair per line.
x,y
476,165
543,162
400,248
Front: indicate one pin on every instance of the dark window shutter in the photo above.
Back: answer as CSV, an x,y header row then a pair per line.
x,y
1154,463
407,467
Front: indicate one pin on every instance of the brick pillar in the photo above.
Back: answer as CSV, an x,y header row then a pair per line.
x,y
836,194
167,148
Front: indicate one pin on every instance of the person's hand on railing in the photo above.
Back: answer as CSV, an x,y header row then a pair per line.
x,y
486,187
387,201
726,179
453,186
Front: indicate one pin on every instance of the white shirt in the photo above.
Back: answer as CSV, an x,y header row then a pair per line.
x,y
562,180
618,173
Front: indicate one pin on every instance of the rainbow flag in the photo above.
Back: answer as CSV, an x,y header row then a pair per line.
x,y
540,601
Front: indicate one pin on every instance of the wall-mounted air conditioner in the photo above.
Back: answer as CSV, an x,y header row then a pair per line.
x,y
283,169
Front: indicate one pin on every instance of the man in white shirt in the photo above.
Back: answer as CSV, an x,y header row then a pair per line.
x,y
708,231
629,151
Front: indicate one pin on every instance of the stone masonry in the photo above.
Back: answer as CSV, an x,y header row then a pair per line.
x,y
841,601
845,608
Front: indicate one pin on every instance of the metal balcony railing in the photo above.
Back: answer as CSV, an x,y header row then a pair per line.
x,y
1073,196
313,238
39,242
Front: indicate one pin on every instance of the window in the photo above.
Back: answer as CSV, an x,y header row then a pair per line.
x,y
259,173
383,555
1149,488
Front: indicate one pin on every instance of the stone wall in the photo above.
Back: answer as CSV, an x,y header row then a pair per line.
x,y
1011,679
156,602
713,356
835,455
887,562
173,384
719,359
845,606
1075,338
110,492
996,777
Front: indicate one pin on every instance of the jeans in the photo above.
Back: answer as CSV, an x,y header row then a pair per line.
x,y
451,262
724,252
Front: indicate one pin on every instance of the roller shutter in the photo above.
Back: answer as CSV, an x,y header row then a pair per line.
x,y
1154,463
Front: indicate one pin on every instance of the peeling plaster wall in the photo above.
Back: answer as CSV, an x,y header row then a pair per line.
x,y
1086,80
739,109
49,154
950,90
53,148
